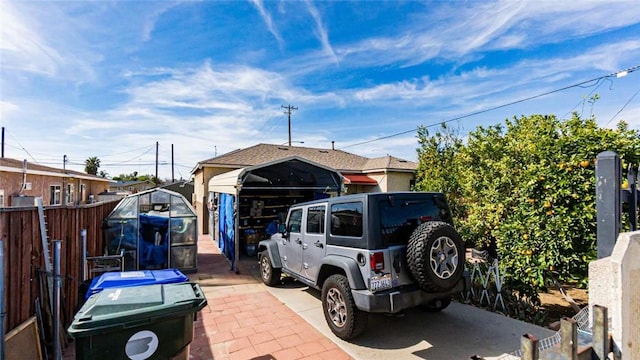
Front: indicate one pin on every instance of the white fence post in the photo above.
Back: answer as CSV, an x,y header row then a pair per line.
x,y
614,282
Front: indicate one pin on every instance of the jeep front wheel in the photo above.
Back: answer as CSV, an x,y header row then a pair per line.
x,y
345,320
270,275
435,255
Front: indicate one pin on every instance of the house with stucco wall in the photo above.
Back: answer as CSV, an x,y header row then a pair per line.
x,y
21,182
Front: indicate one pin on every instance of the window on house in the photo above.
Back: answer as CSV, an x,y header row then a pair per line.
x,y
54,194
83,192
69,195
1,198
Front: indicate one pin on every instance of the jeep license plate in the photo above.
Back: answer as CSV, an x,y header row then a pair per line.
x,y
380,282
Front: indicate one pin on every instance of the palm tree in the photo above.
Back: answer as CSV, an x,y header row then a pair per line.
x,y
91,165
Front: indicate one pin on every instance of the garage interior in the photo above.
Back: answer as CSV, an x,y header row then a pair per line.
x,y
245,201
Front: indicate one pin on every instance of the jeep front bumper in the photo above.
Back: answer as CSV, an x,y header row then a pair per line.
x,y
396,300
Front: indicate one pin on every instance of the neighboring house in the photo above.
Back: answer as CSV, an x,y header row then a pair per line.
x,y
360,174
21,182
184,188
130,187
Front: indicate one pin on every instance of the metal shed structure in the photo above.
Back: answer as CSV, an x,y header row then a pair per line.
x,y
244,200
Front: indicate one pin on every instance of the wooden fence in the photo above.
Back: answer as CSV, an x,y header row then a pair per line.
x,y
24,259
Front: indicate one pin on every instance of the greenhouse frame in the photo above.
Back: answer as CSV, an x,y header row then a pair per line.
x,y
153,229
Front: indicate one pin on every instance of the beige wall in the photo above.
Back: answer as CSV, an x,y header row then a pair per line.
x,y
201,192
392,181
399,181
358,189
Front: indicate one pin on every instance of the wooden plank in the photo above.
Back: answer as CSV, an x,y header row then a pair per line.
x,y
24,277
13,275
20,230
23,342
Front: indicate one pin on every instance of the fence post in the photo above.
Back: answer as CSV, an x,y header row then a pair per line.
x,y
529,347
631,196
57,281
600,341
2,298
568,338
83,258
608,203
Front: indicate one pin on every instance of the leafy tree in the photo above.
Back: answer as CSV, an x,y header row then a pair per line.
x,y
436,169
91,165
127,177
526,189
135,177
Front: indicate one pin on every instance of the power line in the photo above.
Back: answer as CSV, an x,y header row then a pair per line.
x,y
129,151
618,74
597,85
622,108
22,148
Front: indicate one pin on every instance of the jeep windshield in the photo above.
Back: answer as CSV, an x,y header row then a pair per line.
x,y
400,215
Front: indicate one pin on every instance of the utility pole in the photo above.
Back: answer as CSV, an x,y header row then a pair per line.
x,y
173,178
64,178
155,181
288,112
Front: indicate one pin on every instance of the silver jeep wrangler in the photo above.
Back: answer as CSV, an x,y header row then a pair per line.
x,y
372,252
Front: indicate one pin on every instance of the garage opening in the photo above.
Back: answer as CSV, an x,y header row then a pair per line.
x,y
248,202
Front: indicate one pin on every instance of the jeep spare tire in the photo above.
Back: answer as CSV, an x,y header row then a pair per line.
x,y
435,256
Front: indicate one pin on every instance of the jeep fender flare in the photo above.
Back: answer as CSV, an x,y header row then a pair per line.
x,y
271,246
348,265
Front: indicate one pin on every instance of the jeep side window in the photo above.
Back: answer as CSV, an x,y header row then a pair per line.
x,y
315,220
346,219
295,219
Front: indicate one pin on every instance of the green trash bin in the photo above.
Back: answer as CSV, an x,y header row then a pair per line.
x,y
138,323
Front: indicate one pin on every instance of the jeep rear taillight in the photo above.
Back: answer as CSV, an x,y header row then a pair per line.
x,y
376,260
425,218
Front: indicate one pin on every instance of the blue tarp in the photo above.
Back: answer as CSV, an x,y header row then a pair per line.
x,y
226,240
154,241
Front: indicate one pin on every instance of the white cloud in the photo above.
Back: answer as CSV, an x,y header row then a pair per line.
x,y
321,32
454,31
22,46
266,17
522,79
152,17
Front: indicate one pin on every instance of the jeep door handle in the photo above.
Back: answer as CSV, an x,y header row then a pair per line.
x,y
318,244
298,241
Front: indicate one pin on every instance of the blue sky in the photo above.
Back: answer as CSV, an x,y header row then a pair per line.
x,y
109,79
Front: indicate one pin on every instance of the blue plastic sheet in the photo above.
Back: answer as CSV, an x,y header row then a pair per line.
x,y
226,224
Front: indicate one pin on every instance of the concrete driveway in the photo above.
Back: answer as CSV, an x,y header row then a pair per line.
x,y
458,332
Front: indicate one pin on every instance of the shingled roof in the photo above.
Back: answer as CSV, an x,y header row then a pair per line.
x,y
8,164
336,159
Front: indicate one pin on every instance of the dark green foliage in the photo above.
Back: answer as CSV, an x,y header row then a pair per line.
x,y
527,190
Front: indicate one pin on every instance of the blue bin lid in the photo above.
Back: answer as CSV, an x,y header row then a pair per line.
x,y
110,280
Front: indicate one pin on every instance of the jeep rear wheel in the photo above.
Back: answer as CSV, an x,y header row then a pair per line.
x,y
435,256
345,320
270,275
